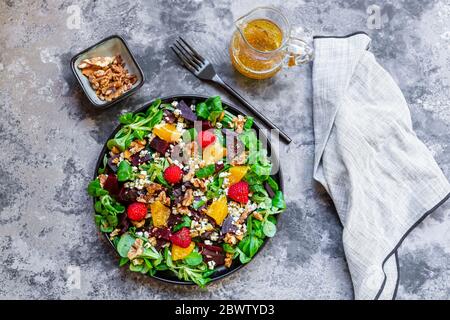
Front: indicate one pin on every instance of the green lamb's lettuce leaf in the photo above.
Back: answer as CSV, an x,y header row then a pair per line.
x,y
206,171
278,200
94,189
186,222
201,109
125,171
193,259
124,245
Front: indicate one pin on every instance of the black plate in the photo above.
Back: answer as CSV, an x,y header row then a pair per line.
x,y
168,276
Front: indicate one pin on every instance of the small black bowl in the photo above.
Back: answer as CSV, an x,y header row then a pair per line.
x,y
110,46
221,272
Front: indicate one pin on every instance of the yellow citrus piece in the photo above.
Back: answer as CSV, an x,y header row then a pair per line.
x,y
160,214
179,253
237,173
213,153
167,132
218,210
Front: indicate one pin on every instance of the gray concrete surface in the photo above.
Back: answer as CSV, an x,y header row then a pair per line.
x,y
50,139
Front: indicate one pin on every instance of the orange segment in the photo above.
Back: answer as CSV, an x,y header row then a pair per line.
x,y
179,253
167,132
213,153
237,173
160,214
218,210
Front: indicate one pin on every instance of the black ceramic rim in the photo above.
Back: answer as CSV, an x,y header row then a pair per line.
x,y
123,96
222,272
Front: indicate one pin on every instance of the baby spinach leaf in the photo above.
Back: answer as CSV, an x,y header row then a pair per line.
x,y
249,139
261,170
124,245
206,171
193,259
125,171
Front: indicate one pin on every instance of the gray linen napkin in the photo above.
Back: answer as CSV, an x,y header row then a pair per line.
x,y
381,177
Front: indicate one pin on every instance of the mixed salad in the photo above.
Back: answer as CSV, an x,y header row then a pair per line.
x,y
186,189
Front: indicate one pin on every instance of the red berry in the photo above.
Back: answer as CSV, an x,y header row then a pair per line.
x,y
205,138
137,211
173,174
239,192
181,238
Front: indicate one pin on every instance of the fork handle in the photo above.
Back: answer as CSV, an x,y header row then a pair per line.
x,y
255,111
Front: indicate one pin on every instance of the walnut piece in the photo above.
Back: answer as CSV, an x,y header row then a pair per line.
x,y
239,122
136,249
228,259
188,198
108,76
230,239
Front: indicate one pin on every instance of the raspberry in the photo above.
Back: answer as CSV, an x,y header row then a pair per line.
x,y
181,238
137,211
239,192
173,174
205,138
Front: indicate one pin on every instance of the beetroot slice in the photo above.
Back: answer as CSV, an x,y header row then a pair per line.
x,y
212,253
127,195
112,185
111,165
160,233
186,111
136,159
168,116
159,145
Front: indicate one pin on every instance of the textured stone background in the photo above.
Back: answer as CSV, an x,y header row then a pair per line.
x,y
50,138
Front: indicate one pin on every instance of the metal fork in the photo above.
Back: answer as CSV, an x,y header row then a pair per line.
x,y
203,69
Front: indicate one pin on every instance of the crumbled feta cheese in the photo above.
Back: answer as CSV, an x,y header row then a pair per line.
x,y
135,169
218,125
174,103
214,236
224,174
208,242
177,112
192,107
146,234
139,234
211,264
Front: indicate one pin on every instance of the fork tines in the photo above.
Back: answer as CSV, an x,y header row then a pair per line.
x,y
188,55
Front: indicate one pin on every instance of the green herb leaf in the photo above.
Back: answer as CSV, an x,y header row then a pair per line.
x,y
123,261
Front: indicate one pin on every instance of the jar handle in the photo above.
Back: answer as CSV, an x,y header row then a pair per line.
x,y
298,52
